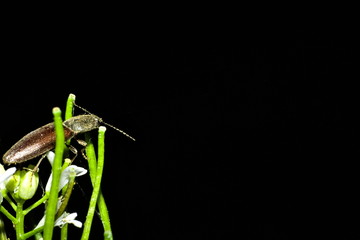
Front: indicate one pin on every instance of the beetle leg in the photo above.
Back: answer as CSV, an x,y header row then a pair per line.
x,y
82,143
74,151
38,164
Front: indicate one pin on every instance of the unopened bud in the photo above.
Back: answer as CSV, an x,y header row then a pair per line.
x,y
29,181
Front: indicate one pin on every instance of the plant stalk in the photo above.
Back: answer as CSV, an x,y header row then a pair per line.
x,y
96,190
56,171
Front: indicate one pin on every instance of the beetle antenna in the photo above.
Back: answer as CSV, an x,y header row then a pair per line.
x,y
88,112
117,129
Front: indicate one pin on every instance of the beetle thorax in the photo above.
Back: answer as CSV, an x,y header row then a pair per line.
x,y
82,123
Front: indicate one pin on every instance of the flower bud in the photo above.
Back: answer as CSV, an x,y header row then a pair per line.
x,y
29,181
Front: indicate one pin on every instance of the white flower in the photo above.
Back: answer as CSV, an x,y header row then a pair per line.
x,y
4,175
65,176
65,218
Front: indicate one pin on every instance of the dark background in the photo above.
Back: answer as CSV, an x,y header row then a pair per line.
x,y
252,137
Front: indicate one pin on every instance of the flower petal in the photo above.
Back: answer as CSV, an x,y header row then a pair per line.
x,y
67,218
8,173
77,223
50,156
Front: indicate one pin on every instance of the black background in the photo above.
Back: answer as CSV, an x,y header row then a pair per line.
x,y
252,137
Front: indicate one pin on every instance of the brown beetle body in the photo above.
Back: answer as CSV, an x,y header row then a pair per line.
x,y
43,139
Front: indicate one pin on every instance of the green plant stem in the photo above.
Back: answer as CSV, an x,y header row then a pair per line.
x,y
2,230
19,226
105,219
70,106
104,213
56,171
64,232
91,157
66,193
96,190
37,203
69,110
33,232
7,214
13,205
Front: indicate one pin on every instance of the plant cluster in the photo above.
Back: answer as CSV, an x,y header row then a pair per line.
x,y
18,186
